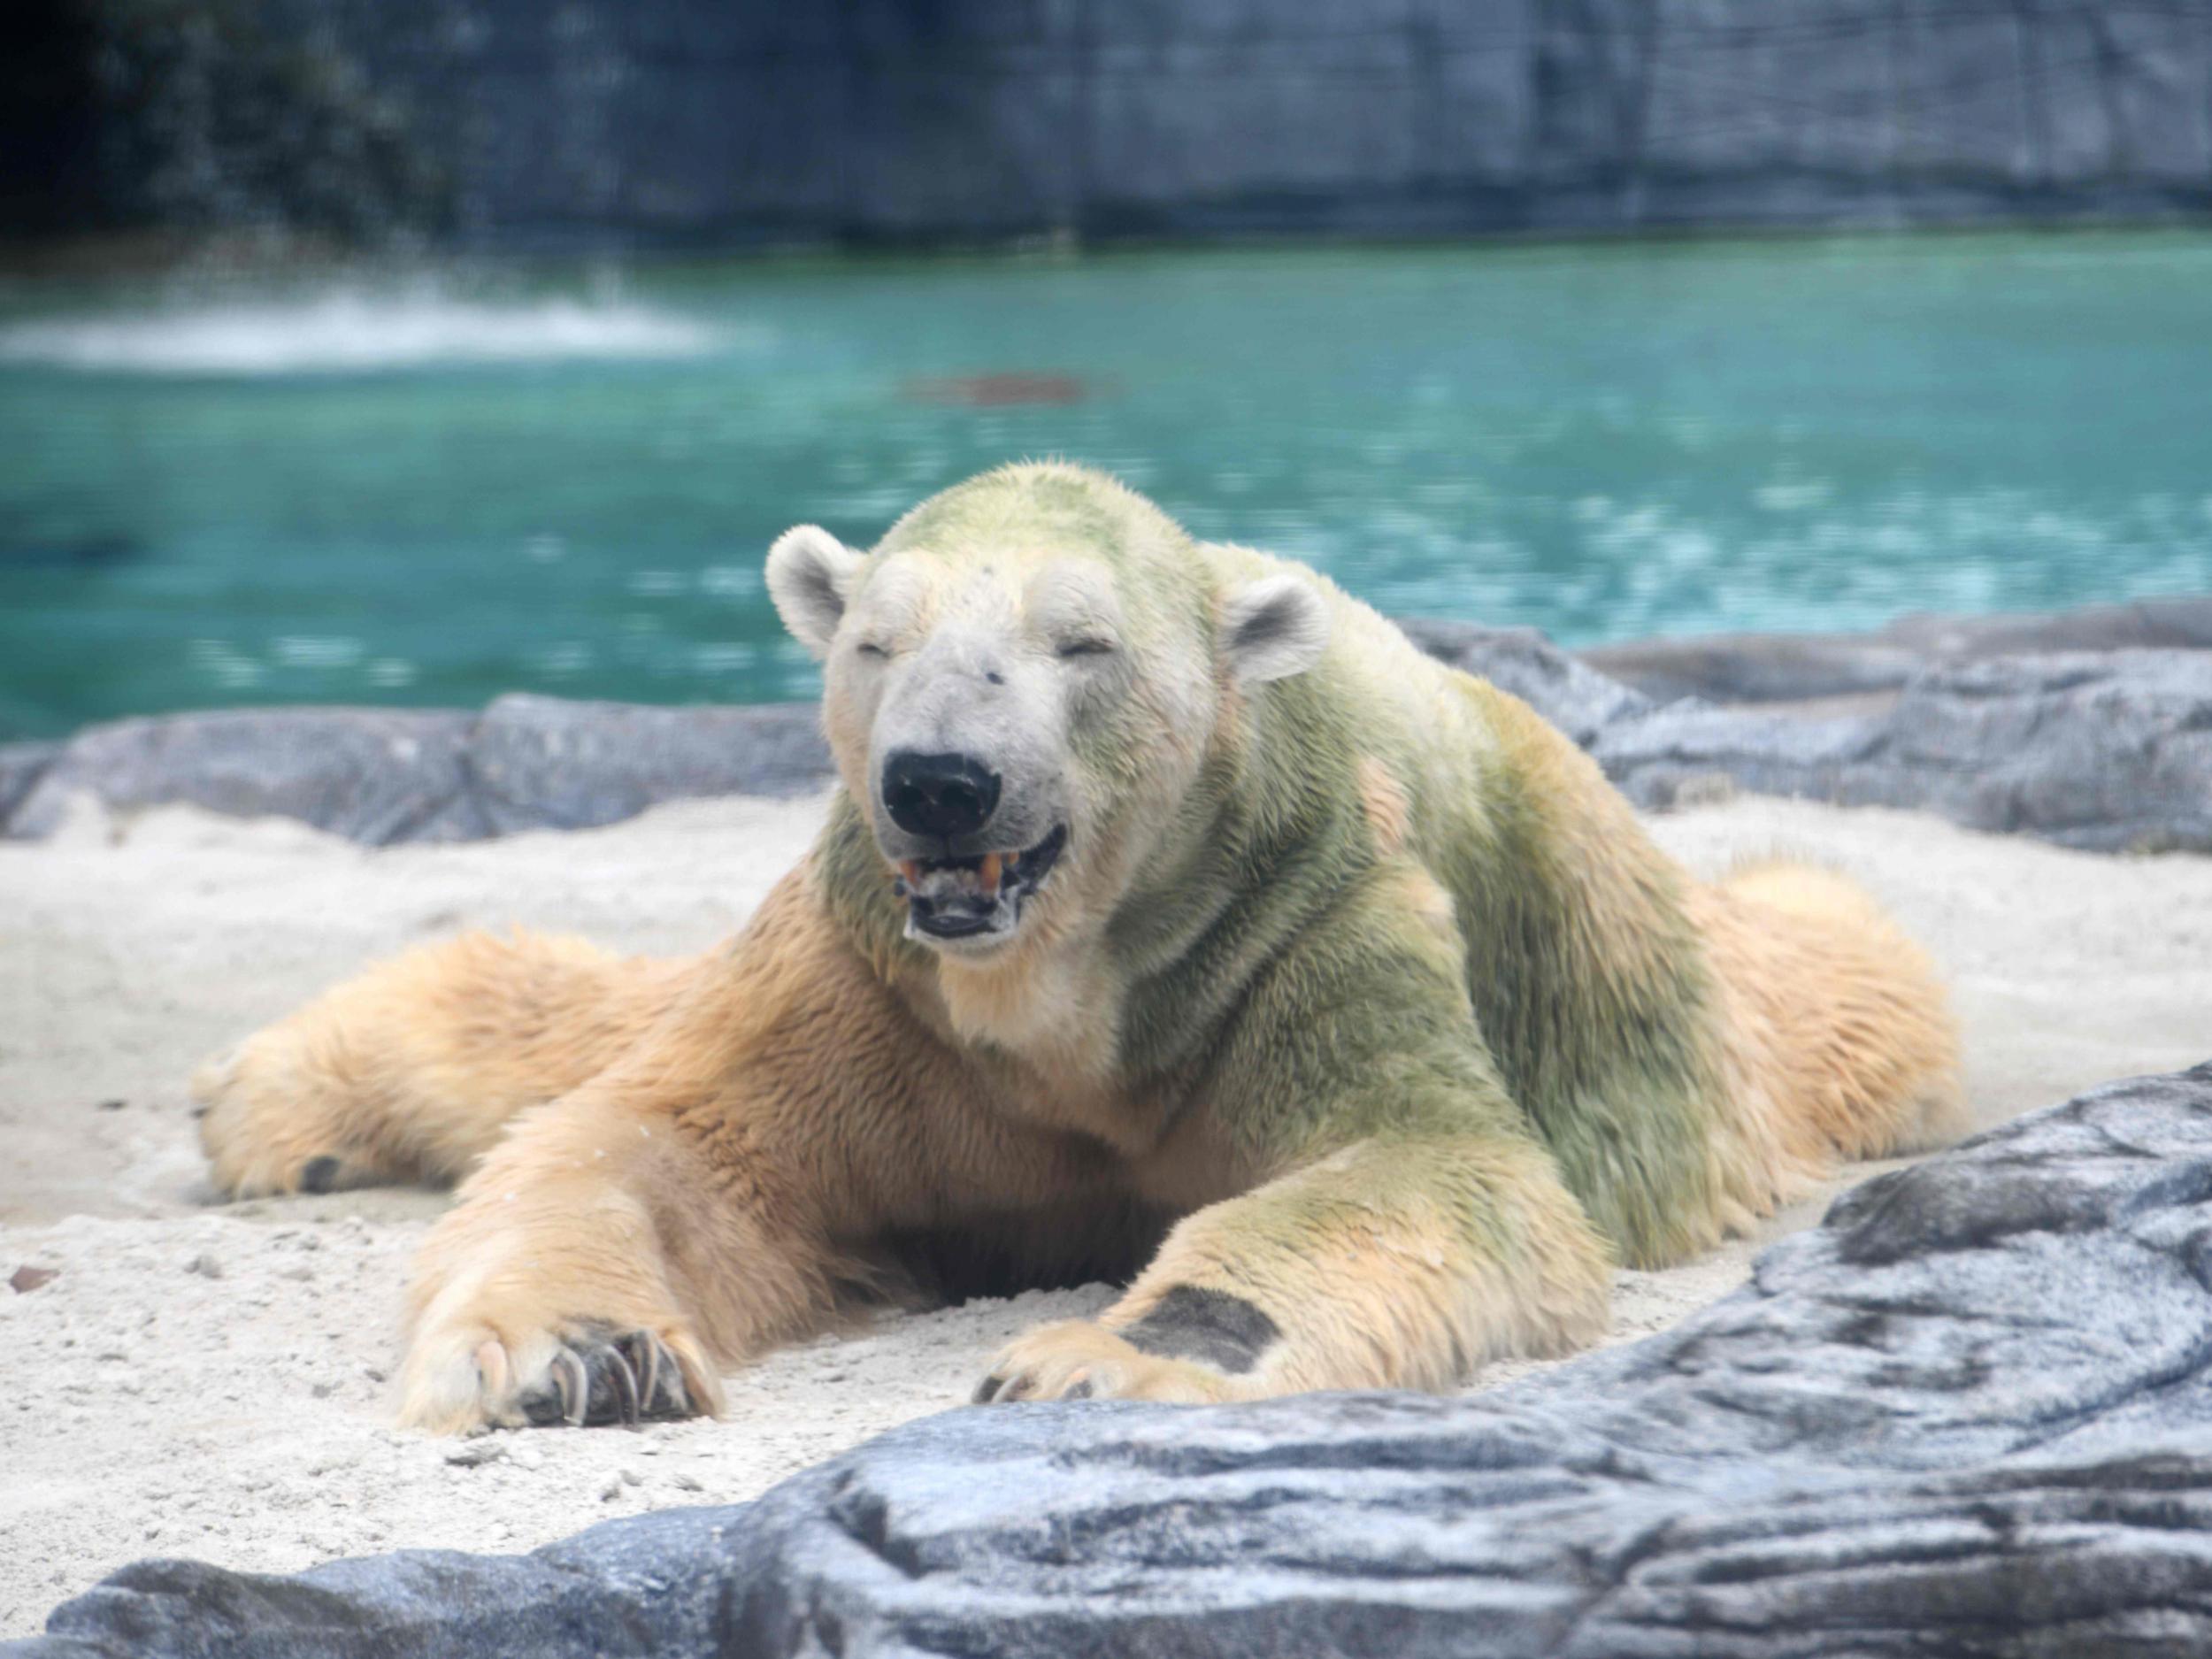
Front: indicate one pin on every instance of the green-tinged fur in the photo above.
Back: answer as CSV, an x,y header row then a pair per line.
x,y
1267,967
1356,1019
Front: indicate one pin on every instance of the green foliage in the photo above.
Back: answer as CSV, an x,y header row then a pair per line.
x,y
218,118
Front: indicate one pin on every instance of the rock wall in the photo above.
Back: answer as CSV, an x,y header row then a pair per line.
x,y
628,121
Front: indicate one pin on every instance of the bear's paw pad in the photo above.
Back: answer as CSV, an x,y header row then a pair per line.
x,y
1081,1360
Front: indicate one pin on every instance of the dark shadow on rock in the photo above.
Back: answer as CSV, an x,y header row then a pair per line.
x,y
1969,1413
21,766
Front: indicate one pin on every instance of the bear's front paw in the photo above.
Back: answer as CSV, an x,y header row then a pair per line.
x,y
578,1372
1080,1361
600,1375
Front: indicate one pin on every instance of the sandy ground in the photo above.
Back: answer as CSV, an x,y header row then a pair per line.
x,y
213,1381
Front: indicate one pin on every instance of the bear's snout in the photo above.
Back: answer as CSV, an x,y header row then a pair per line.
x,y
942,796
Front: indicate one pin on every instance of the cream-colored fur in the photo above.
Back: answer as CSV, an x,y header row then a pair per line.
x,y
1360,1031
412,1071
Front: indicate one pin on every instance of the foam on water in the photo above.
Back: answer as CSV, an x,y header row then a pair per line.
x,y
356,334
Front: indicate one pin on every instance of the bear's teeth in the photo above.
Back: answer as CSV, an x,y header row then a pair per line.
x,y
989,882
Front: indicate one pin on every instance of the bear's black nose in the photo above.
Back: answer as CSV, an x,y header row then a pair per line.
x,y
943,796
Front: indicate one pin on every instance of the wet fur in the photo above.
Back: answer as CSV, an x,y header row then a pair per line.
x,y
1364,1004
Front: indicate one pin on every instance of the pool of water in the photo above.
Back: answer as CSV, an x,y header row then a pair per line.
x,y
432,491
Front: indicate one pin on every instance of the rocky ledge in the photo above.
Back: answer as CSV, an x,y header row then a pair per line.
x,y
2092,728
1969,1413
380,776
2110,752
1793,667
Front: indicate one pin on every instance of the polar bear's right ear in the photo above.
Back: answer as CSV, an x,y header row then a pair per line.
x,y
809,572
1274,627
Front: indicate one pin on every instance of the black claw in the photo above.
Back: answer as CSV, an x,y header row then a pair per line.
x,y
1081,1391
673,1394
574,1383
320,1175
660,1380
630,1378
644,1354
559,1398
986,1390
613,1386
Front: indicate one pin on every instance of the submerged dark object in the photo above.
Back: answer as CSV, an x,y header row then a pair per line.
x,y
993,391
81,552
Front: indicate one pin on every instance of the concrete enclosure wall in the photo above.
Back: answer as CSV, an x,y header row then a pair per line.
x,y
714,122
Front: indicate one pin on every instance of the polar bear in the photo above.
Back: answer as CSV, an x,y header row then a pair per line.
x,y
1175,923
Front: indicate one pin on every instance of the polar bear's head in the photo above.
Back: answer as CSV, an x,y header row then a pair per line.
x,y
1023,684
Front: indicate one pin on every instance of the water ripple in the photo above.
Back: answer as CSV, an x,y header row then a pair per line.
x,y
356,334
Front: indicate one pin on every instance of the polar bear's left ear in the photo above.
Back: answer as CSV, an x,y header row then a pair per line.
x,y
1273,627
809,577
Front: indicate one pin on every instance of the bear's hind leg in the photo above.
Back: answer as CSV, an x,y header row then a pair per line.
x,y
411,1071
1839,1033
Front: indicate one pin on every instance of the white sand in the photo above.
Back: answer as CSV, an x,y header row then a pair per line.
x,y
211,1382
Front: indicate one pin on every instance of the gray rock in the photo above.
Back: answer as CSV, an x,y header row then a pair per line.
x,y
1969,1413
376,775
1574,698
1682,747
2110,752
21,766
383,776
1759,667
544,763
1796,667
2177,624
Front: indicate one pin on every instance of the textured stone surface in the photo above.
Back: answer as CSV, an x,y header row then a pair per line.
x,y
1573,696
548,763
508,122
2108,751
1791,667
381,775
1970,1413
377,775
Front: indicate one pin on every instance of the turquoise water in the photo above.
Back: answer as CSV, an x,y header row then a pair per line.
x,y
429,493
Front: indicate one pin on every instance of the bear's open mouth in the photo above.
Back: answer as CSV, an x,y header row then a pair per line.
x,y
970,898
